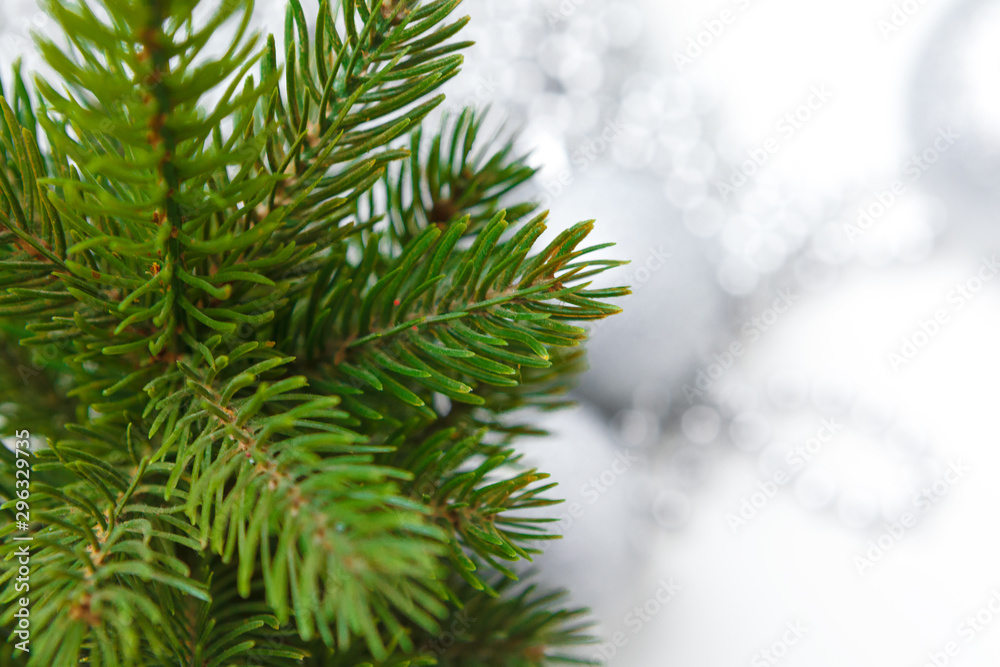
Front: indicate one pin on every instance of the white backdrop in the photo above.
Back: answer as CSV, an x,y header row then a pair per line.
x,y
741,524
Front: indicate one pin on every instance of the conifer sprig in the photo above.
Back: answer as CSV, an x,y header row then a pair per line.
x,y
270,336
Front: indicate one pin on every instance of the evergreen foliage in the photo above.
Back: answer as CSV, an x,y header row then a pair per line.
x,y
266,333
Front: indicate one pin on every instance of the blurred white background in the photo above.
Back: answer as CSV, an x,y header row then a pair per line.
x,y
874,537
786,449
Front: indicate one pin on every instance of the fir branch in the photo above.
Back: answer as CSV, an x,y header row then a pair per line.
x,y
108,557
448,321
272,471
253,304
521,626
